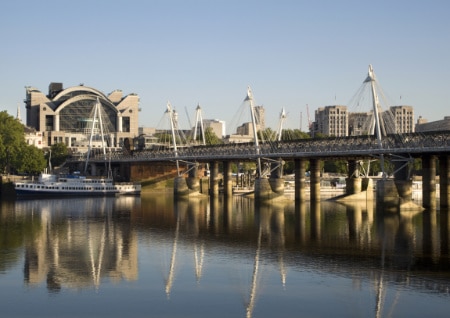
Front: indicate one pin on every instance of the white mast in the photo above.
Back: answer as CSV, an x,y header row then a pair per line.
x,y
283,117
97,113
172,127
249,98
371,78
199,119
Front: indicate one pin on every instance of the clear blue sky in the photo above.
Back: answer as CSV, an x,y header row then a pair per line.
x,y
291,52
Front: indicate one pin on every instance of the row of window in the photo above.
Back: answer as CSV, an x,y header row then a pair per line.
x,y
63,188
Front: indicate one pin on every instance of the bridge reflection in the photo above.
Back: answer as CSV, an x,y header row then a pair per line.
x,y
77,243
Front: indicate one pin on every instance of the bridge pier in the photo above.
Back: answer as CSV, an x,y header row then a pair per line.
x,y
444,177
193,181
227,179
190,185
429,181
314,167
387,193
300,180
272,187
353,181
180,187
403,182
214,179
268,188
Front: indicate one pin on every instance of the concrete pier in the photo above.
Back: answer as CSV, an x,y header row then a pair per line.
x,y
444,178
214,178
180,187
300,180
315,180
193,181
227,179
429,181
269,189
353,181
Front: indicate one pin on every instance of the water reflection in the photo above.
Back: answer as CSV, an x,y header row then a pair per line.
x,y
74,243
86,243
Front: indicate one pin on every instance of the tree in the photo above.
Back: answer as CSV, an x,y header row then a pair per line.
x,y
11,142
58,154
267,134
335,166
294,134
31,160
211,137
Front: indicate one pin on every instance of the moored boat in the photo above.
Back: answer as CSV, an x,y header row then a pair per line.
x,y
73,185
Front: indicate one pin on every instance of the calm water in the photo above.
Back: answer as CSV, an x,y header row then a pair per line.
x,y
151,257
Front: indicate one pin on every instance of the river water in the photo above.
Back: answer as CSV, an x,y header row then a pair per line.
x,y
151,256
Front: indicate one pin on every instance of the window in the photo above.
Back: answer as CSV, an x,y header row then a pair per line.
x,y
126,124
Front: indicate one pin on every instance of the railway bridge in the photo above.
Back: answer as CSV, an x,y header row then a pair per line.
x,y
432,148
381,143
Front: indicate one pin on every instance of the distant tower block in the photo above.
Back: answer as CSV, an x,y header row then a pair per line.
x,y
260,117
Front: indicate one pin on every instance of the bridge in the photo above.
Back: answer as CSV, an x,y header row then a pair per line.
x,y
361,147
400,149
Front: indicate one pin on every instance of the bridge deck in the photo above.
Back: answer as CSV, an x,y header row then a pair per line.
x,y
413,144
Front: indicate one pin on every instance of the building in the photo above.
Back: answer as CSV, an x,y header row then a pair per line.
x,y
65,115
403,118
358,123
217,126
439,125
260,117
331,121
33,137
337,121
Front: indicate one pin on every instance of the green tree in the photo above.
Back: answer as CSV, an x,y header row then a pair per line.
x,y
335,166
267,134
31,160
58,154
11,142
211,137
294,134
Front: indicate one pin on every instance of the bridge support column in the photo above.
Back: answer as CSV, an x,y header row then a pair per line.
x,y
387,194
180,187
429,181
271,188
314,167
214,179
227,179
402,181
353,181
268,189
300,180
276,179
444,177
193,181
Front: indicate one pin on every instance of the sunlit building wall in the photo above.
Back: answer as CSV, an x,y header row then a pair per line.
x,y
65,115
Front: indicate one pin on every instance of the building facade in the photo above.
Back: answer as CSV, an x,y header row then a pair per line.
x,y
337,121
217,126
260,117
65,115
331,121
403,118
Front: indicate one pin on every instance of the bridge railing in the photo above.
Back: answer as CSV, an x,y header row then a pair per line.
x,y
324,147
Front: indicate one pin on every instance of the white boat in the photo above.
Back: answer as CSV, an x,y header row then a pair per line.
x,y
73,185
